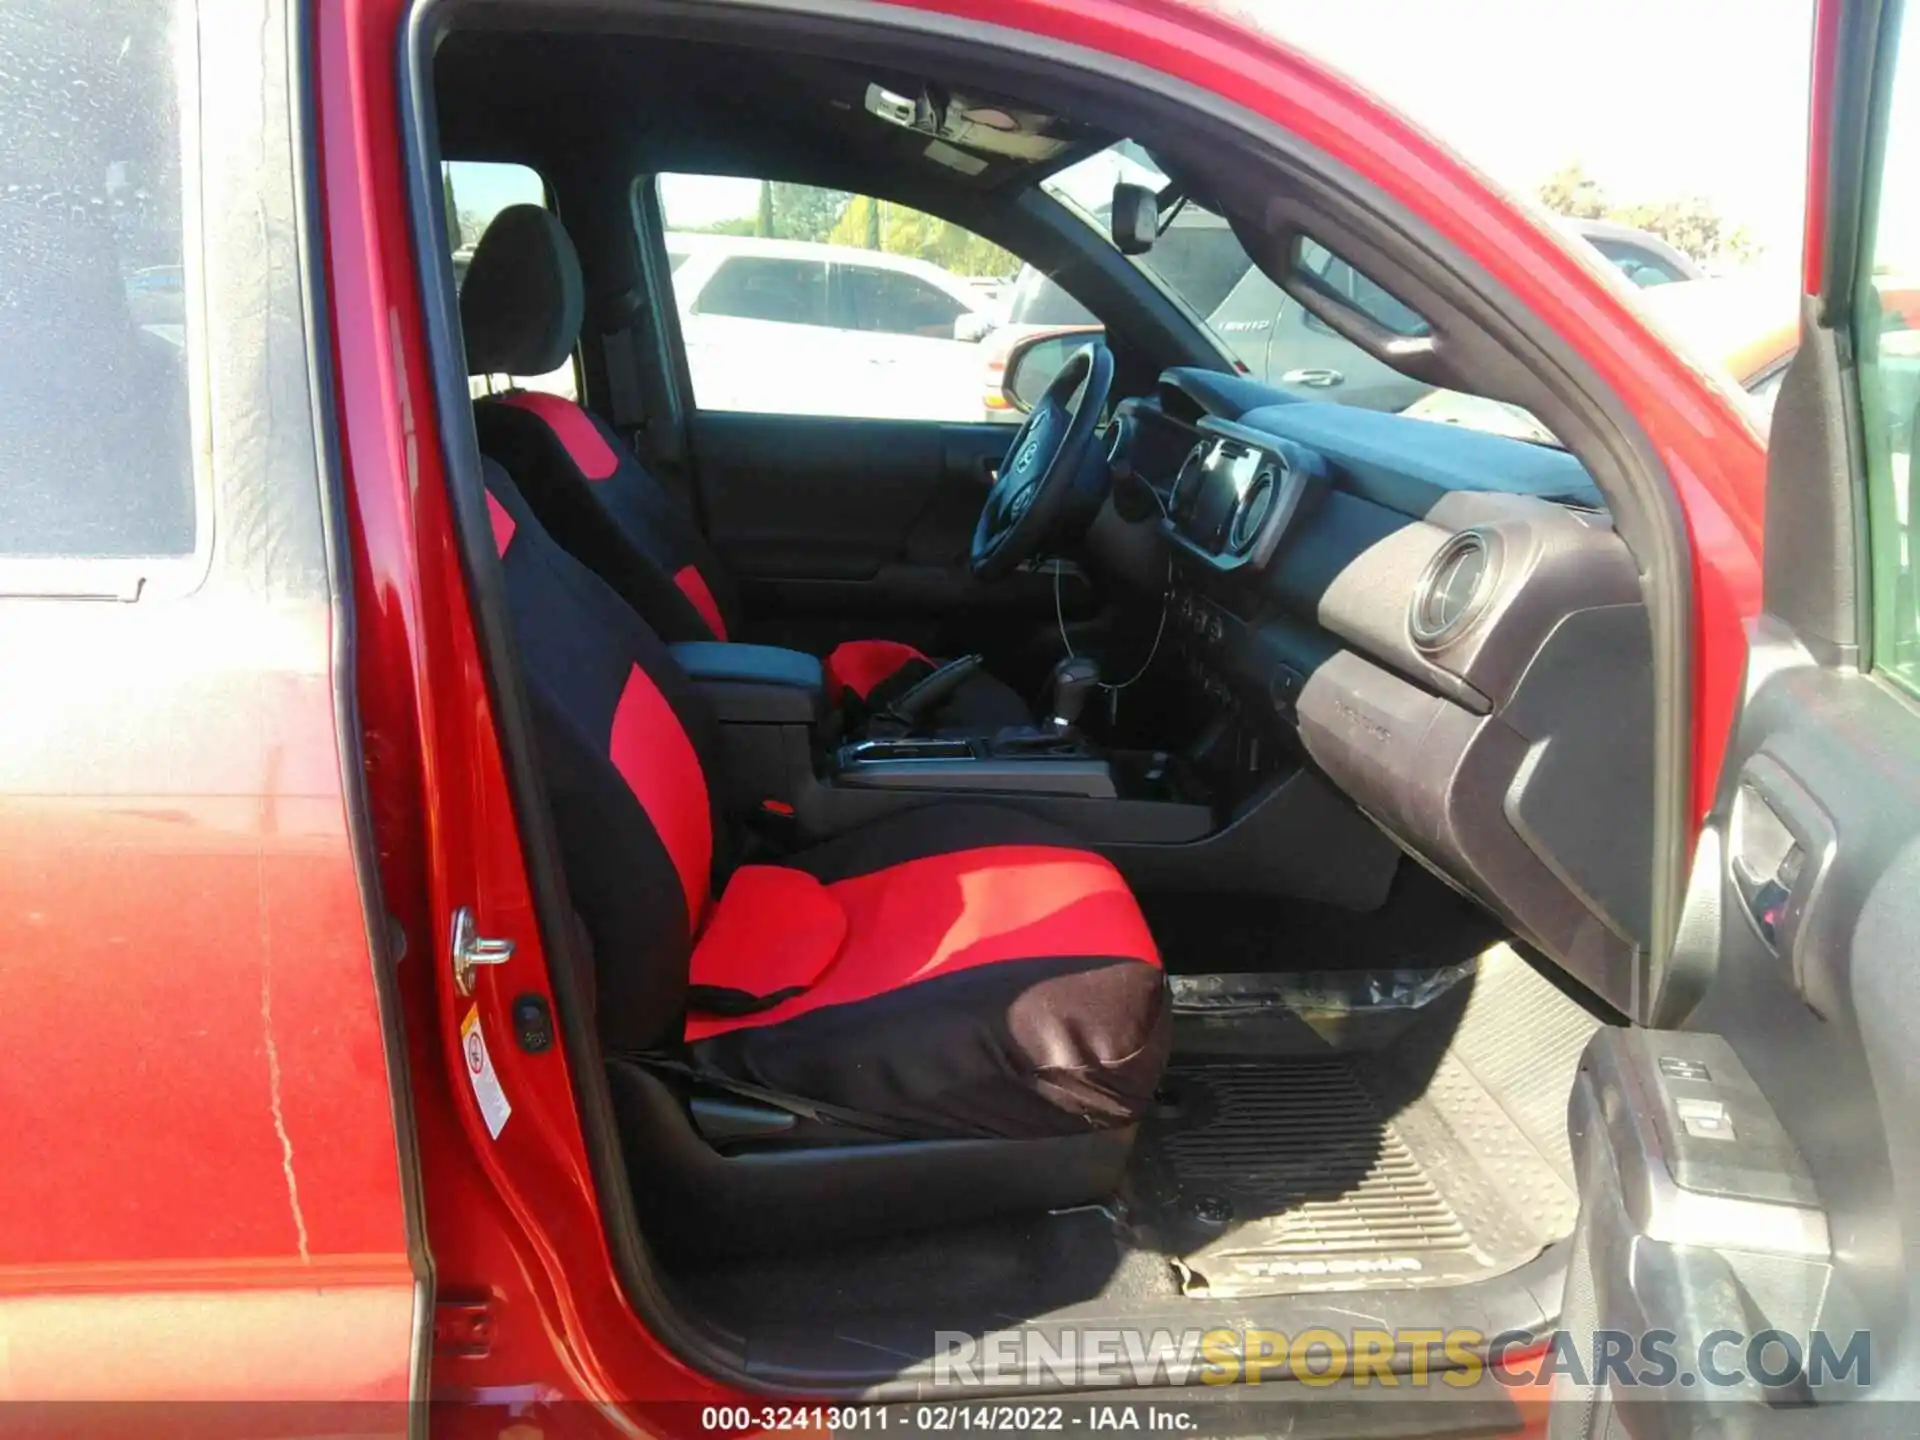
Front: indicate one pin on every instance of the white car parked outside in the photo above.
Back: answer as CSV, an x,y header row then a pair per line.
x,y
791,327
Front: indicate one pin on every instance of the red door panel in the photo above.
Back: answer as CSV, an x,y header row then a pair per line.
x,y
201,1167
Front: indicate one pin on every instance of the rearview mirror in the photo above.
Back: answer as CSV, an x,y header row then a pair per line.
x,y
1034,361
1134,221
973,327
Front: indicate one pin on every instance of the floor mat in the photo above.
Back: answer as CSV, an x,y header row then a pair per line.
x,y
1422,923
1290,1173
1310,1164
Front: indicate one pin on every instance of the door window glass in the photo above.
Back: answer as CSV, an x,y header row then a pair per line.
x,y
796,300
96,445
1885,309
474,191
894,303
758,287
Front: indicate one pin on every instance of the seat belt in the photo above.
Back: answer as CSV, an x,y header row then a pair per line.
x,y
623,383
633,403
814,1110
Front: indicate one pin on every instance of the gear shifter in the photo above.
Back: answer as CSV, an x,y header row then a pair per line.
x,y
1073,679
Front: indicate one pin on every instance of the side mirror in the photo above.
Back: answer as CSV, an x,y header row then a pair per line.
x,y
1036,359
973,327
1134,221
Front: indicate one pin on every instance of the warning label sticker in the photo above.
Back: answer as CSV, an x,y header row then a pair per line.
x,y
486,1085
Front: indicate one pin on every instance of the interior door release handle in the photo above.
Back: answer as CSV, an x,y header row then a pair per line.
x,y
1781,847
1767,898
1319,379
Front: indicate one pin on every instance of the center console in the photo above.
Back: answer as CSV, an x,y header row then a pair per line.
x,y
770,703
1205,819
784,758
1032,764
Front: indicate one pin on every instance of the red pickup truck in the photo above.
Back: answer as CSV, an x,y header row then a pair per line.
x,y
616,914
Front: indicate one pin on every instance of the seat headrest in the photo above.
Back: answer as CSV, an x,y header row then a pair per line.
x,y
522,300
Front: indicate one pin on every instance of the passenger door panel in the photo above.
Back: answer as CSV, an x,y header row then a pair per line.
x,y
1824,1003
1795,1210
1797,962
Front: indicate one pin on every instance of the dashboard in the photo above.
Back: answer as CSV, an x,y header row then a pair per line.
x,y
1443,623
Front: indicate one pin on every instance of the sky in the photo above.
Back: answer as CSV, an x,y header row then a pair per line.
x,y
1656,98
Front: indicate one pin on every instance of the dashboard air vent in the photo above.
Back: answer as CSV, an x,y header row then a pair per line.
x,y
1452,589
1188,484
1252,513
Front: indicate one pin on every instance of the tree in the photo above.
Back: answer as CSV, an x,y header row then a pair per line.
x,y
899,231
806,212
455,234
1688,223
1571,191
786,211
1691,226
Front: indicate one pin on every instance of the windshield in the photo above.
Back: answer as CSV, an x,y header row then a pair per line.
x,y
1199,260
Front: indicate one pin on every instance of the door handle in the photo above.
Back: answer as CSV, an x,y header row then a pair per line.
x,y
1767,897
1318,378
1781,851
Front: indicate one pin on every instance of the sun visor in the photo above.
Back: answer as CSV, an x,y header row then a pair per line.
x,y
991,127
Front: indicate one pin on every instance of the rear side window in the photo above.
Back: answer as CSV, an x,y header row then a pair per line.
x,y
751,287
96,292
473,192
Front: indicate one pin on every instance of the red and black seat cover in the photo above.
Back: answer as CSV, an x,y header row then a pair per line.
x,y
958,971
520,308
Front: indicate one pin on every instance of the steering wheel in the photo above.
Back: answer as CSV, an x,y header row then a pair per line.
x,y
1045,460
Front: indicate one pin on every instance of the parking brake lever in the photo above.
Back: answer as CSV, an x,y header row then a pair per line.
x,y
919,698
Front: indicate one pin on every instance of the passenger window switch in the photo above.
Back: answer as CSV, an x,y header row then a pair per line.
x,y
1705,1119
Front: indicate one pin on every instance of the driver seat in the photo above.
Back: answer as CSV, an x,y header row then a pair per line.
x,y
520,308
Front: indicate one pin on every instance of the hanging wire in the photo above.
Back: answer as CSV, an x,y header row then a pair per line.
x,y
1166,603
